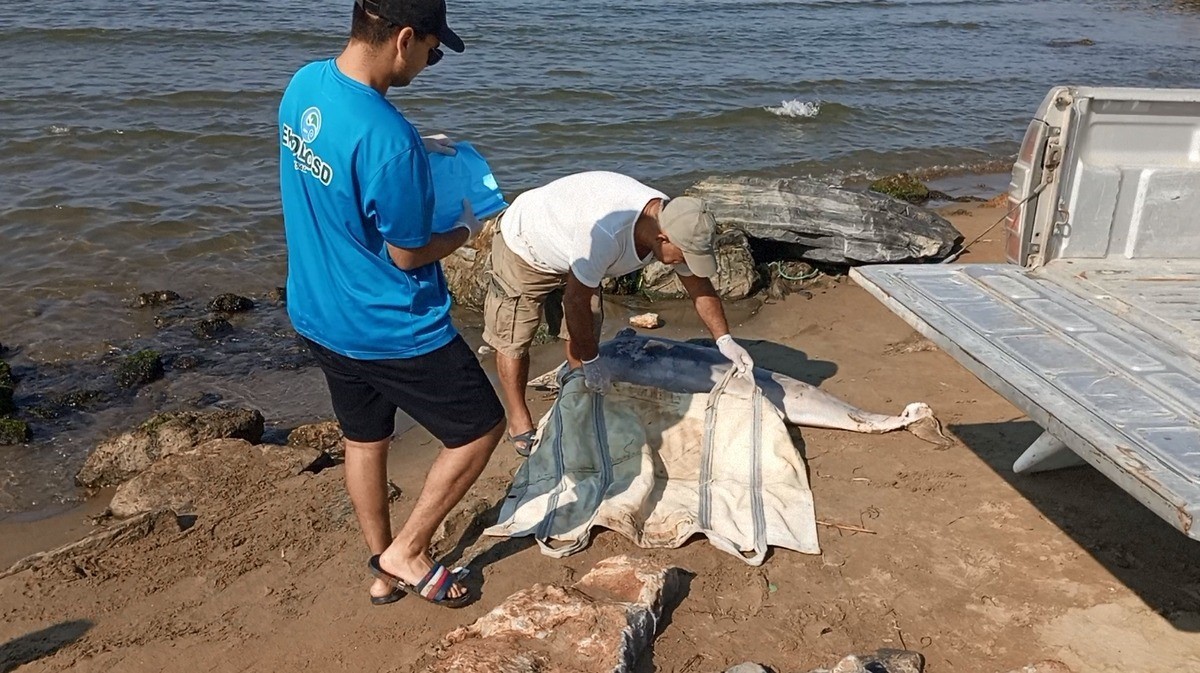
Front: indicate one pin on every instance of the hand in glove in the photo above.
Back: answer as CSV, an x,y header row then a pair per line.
x,y
743,364
468,221
439,144
596,376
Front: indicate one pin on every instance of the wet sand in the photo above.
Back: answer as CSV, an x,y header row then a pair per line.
x,y
980,569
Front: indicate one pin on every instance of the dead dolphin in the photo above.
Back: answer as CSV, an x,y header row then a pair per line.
x,y
683,367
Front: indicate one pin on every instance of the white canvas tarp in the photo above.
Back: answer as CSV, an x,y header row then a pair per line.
x,y
659,467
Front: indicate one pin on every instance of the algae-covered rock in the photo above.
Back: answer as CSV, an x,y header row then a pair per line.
x,y
76,400
902,186
121,457
14,431
278,295
7,386
325,437
156,298
230,303
144,366
211,328
80,399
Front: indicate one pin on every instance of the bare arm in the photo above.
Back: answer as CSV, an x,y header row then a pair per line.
x,y
439,247
577,308
708,304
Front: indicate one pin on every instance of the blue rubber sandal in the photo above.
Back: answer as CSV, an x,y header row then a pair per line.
x,y
524,442
434,587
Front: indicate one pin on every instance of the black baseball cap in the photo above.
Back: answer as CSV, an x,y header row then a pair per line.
x,y
427,17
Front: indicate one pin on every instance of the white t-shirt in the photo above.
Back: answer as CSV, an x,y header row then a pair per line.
x,y
582,223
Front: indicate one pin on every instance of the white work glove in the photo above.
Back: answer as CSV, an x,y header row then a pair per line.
x,y
439,144
743,364
596,376
468,221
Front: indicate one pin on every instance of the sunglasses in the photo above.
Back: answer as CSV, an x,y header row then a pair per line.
x,y
435,56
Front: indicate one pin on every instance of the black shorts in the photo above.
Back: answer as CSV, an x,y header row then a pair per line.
x,y
445,391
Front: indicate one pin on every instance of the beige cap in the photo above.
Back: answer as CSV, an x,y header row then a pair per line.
x,y
689,225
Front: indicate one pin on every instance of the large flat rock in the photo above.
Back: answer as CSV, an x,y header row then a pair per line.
x,y
823,223
128,454
208,475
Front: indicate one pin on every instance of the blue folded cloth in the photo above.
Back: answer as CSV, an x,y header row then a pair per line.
x,y
466,175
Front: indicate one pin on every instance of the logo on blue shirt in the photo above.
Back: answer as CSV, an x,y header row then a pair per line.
x,y
310,124
306,160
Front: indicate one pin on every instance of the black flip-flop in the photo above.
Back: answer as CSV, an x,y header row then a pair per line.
x,y
388,598
433,588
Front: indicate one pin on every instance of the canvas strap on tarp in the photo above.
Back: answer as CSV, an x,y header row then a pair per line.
x,y
660,467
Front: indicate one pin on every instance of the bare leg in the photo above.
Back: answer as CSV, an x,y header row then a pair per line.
x,y
366,482
514,377
454,471
573,360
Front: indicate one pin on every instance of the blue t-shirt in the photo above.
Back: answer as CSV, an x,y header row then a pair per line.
x,y
354,175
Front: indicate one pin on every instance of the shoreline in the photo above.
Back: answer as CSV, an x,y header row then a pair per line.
x,y
977,568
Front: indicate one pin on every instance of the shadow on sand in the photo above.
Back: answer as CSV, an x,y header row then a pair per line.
x,y
1145,553
33,646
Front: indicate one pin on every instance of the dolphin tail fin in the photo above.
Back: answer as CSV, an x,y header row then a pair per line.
x,y
924,424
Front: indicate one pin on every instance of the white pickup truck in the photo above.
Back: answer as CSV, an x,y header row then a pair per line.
x,y
1093,328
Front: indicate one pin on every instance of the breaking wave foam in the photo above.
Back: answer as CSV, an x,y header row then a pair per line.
x,y
796,109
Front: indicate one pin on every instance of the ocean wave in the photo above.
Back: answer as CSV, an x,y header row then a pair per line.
x,y
62,141
179,37
859,5
607,127
796,109
946,23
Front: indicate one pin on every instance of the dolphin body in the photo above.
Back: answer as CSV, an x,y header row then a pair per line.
x,y
683,367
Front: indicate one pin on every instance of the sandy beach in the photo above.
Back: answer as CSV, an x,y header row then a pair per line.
x,y
979,569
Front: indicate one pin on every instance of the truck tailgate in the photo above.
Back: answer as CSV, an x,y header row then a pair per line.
x,y
1091,367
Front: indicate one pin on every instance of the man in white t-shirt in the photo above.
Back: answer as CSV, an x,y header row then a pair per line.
x,y
571,234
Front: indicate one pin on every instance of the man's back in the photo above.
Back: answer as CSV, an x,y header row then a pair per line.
x,y
581,223
354,177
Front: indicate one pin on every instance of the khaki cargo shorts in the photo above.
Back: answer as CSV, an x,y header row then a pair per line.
x,y
517,299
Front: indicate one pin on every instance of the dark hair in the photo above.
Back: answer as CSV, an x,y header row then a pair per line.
x,y
372,30
376,31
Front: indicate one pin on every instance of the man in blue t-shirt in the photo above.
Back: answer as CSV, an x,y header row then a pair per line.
x,y
365,286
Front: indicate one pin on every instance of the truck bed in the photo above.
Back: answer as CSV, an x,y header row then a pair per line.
x,y
1162,296
1104,354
